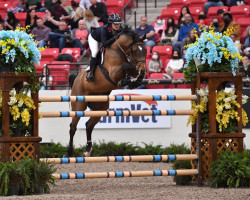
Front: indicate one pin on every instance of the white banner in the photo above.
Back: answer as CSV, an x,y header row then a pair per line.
x,y
135,121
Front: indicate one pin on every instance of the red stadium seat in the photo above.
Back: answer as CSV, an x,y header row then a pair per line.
x,y
40,14
39,68
170,12
212,11
240,11
21,17
195,12
196,3
50,54
244,23
164,51
115,5
75,52
178,3
149,55
247,2
59,73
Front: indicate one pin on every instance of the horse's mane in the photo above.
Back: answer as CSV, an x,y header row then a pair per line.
x,y
129,32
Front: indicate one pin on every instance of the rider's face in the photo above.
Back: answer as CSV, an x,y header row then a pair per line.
x,y
116,26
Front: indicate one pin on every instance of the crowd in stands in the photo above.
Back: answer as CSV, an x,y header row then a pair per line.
x,y
65,23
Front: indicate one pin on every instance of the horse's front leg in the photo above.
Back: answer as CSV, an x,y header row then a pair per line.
x,y
90,124
72,132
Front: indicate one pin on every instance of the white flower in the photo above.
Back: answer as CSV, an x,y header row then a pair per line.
x,y
13,100
227,106
244,99
228,99
220,108
20,103
205,98
13,92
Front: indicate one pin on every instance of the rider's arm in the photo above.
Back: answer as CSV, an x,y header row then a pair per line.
x,y
104,37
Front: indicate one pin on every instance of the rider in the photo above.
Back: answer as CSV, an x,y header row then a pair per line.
x,y
105,35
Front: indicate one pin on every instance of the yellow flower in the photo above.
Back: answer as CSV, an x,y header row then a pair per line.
x,y
25,117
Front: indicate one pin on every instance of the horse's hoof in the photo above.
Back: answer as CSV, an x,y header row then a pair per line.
x,y
87,153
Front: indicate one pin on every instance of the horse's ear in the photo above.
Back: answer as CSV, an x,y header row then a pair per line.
x,y
142,38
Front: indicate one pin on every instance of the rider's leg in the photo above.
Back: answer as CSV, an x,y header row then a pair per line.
x,y
93,44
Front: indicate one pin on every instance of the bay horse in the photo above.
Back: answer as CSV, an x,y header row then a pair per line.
x,y
123,60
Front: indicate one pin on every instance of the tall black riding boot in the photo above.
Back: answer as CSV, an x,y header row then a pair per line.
x,y
92,65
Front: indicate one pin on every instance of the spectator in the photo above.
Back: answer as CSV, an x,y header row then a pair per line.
x,y
90,20
159,25
50,4
215,25
246,50
187,41
51,21
20,7
202,22
155,63
33,4
68,9
85,4
1,19
171,33
46,79
148,31
236,42
10,21
99,10
247,38
184,31
212,3
41,33
61,13
181,21
79,35
245,66
220,13
2,27
78,16
58,38
228,23
30,20
175,65
75,5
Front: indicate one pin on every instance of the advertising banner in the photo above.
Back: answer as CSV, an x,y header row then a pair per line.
x,y
135,121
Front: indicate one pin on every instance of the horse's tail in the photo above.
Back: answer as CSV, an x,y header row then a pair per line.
x,y
72,78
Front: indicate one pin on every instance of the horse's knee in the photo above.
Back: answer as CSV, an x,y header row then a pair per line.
x,y
72,129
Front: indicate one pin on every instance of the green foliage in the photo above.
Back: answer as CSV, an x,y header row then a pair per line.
x,y
182,164
26,175
231,170
52,150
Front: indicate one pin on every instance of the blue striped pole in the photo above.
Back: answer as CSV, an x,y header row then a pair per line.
x,y
137,158
123,174
104,98
116,113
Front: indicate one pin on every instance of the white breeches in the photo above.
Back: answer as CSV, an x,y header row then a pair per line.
x,y
93,45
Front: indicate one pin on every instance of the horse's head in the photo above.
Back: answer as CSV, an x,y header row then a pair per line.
x,y
134,50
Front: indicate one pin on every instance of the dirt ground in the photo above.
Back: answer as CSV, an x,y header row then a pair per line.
x,y
130,188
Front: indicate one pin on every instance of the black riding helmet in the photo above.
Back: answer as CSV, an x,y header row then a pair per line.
x,y
114,19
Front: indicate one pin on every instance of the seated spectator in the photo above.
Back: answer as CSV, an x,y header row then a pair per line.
x,y
159,25
78,16
202,22
99,10
246,50
61,13
10,21
50,20
30,20
212,3
247,38
46,79
155,63
79,36
148,31
85,4
2,27
20,7
228,23
68,9
220,13
58,38
33,4
189,25
181,21
236,42
244,67
50,4
187,41
171,33
215,25
41,33
90,20
231,3
175,65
